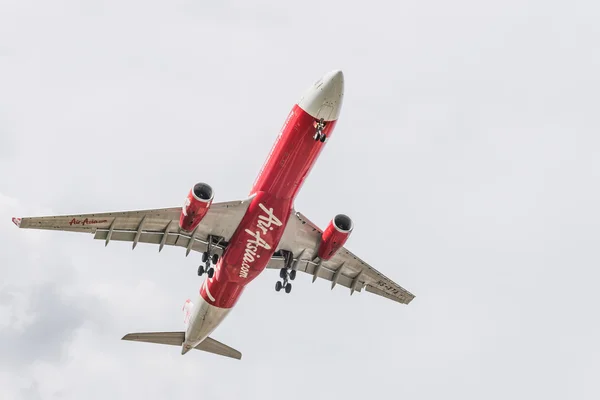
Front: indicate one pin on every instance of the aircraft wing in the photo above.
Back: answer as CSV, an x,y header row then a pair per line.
x,y
302,238
159,227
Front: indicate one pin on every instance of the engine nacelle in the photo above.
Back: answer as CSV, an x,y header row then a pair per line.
x,y
196,206
335,235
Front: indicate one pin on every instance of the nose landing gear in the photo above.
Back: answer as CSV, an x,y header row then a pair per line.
x,y
286,273
319,135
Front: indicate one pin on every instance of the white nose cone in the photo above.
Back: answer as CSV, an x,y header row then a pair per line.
x,y
324,98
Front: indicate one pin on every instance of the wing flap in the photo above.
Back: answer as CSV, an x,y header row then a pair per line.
x,y
345,277
173,239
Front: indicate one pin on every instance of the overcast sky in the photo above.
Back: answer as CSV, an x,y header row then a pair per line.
x,y
467,154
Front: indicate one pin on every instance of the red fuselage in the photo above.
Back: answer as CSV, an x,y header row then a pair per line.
x,y
291,159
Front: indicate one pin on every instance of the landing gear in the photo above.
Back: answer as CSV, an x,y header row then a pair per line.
x,y
210,271
205,268
207,258
319,135
286,273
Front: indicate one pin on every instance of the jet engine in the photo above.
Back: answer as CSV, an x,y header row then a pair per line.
x,y
335,235
196,206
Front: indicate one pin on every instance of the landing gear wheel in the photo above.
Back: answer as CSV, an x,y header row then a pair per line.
x,y
323,138
209,258
319,125
286,273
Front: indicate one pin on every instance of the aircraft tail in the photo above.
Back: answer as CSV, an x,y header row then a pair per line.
x,y
177,338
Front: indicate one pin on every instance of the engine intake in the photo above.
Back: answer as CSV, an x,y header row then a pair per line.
x,y
196,206
334,236
202,192
343,223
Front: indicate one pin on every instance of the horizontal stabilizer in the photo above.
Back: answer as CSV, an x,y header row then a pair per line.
x,y
172,338
176,339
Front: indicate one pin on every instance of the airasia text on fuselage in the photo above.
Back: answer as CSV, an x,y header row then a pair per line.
x,y
265,223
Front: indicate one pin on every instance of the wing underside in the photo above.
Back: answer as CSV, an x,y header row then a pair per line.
x,y
302,238
158,226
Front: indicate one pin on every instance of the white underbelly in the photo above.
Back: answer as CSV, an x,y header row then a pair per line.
x,y
204,320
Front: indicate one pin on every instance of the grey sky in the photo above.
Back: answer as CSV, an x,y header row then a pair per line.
x,y
466,153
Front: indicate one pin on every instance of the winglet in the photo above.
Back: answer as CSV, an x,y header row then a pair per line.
x,y
17,222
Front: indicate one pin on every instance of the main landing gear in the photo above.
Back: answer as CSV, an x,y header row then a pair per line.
x,y
319,135
207,258
286,273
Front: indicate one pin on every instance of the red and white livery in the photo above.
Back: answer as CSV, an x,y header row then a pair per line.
x,y
238,240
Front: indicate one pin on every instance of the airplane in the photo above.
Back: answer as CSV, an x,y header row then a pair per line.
x,y
238,240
